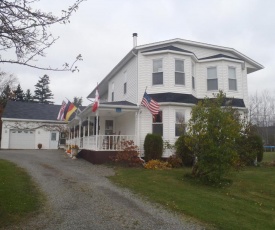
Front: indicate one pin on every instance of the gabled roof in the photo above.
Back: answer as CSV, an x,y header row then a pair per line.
x,y
31,111
190,99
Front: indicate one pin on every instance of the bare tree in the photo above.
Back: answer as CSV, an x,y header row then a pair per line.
x,y
262,114
25,31
7,80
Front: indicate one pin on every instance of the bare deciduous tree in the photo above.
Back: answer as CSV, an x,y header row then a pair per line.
x,y
25,31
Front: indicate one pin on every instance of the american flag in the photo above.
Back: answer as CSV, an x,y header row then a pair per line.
x,y
150,104
61,111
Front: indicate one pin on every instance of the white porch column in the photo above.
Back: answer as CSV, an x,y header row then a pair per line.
x,y
79,132
97,123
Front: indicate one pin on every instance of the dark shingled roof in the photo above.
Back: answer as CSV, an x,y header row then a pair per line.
x,y
174,97
118,103
168,48
190,99
32,111
219,56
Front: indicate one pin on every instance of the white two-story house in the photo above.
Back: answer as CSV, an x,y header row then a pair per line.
x,y
176,73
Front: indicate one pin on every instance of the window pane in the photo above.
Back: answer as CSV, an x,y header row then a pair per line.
x,y
212,84
53,136
211,73
157,65
193,82
157,118
232,73
180,118
158,129
179,78
179,67
157,78
179,129
125,87
232,84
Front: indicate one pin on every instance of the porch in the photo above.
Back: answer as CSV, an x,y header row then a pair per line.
x,y
101,142
107,128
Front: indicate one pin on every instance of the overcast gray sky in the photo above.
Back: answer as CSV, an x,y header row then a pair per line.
x,y
101,30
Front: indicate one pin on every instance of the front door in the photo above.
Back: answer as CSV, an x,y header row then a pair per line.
x,y
54,139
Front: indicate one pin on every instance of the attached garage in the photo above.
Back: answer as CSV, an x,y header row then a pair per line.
x,y
22,139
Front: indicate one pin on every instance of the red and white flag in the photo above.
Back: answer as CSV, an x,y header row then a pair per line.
x,y
61,111
96,102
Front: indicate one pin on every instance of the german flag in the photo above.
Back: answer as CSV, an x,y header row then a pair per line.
x,y
69,110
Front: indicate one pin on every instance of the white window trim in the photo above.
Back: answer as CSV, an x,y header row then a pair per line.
x,y
211,90
233,67
155,59
183,60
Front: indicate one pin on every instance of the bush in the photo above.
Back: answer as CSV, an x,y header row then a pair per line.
x,y
250,147
175,161
157,164
153,147
183,151
129,156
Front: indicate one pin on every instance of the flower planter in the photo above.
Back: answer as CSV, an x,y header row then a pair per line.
x,y
74,152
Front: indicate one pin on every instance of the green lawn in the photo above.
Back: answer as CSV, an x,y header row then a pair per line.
x,y
249,203
269,156
19,196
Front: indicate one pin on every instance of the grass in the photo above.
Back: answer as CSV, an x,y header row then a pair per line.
x,y
248,203
19,196
269,156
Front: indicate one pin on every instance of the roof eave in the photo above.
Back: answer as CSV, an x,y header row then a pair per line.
x,y
103,85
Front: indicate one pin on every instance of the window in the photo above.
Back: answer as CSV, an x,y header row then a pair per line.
x,y
232,80
193,76
53,136
180,123
125,82
179,72
157,72
157,124
113,91
212,79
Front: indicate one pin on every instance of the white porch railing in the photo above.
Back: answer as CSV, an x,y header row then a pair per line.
x,y
101,142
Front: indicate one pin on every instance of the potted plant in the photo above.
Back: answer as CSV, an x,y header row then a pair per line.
x,y
39,146
74,150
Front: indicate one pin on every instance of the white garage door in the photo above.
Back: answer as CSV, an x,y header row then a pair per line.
x,y
22,139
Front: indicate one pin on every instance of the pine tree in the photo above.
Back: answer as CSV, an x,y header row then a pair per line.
x,y
28,96
6,95
19,94
42,92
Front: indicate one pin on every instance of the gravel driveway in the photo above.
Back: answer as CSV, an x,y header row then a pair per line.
x,y
81,197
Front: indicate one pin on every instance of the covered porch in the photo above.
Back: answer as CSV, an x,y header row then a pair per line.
x,y
106,129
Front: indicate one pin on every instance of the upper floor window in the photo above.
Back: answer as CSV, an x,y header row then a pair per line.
x,y
232,80
179,72
193,76
157,124
212,78
157,72
125,83
113,91
180,123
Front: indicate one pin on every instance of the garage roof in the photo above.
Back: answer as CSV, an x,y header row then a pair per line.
x,y
30,110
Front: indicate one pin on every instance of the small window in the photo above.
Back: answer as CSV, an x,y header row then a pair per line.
x,y
180,123
157,124
193,76
232,80
53,136
125,87
212,79
113,96
157,72
179,72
